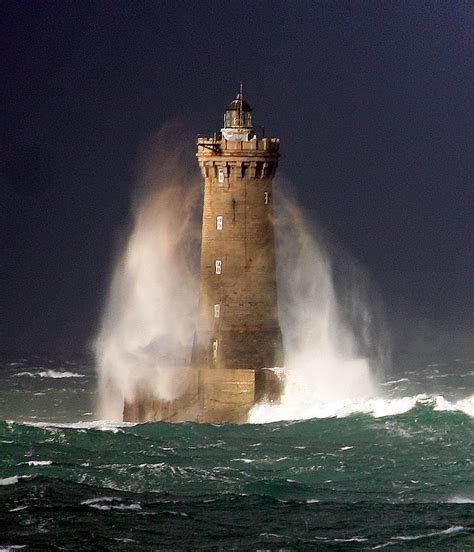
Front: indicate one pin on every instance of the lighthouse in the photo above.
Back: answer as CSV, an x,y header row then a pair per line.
x,y
238,342
238,324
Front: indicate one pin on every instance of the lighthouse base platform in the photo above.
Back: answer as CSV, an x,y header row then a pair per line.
x,y
209,395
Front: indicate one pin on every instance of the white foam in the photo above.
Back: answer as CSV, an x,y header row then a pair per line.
x,y
465,405
460,499
132,506
394,381
56,374
378,407
18,509
100,425
449,531
50,374
39,462
97,503
30,374
100,506
9,480
265,413
90,501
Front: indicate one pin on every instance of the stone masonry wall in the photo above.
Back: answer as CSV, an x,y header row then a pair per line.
x,y
238,310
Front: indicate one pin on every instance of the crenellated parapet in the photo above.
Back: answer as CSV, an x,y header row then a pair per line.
x,y
256,158
260,146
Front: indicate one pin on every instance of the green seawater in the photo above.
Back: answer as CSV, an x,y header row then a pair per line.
x,y
358,482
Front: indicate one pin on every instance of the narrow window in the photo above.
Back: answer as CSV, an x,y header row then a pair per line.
x,y
221,176
266,197
215,346
218,266
217,310
219,222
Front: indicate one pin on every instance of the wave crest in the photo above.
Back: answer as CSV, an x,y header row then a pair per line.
x,y
55,374
378,407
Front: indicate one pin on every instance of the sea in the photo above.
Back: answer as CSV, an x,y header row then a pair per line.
x,y
394,472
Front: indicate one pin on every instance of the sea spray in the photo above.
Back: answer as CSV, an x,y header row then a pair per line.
x,y
332,345
148,322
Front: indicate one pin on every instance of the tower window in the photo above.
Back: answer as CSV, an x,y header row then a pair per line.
x,y
266,197
218,266
217,310
221,175
215,346
219,222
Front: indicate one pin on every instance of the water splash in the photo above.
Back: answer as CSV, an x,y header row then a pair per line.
x,y
331,349
149,319
148,323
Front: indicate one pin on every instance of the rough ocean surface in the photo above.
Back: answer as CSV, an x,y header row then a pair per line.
x,y
394,472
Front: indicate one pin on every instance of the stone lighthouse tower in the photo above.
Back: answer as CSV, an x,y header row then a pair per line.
x,y
238,340
238,314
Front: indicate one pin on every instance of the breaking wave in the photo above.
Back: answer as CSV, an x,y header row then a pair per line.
x,y
50,374
378,407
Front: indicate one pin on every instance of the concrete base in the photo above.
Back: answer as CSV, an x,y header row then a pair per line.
x,y
211,395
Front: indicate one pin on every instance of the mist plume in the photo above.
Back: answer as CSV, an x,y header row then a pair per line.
x,y
146,334
148,322
334,341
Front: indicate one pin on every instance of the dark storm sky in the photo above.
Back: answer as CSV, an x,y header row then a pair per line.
x,y
371,100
